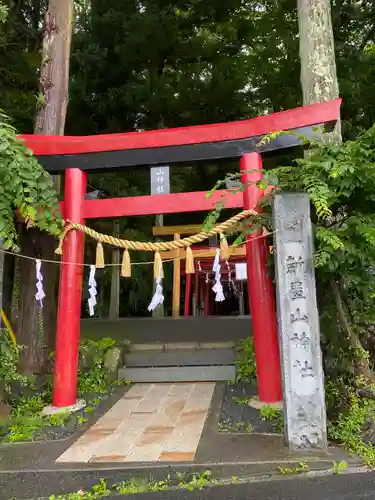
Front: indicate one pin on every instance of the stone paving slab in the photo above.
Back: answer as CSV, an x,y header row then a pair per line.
x,y
150,423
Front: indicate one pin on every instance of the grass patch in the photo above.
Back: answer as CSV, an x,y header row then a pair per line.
x,y
190,482
245,363
276,417
350,427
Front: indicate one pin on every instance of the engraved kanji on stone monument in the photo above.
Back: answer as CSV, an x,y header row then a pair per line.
x,y
300,339
296,290
298,316
293,264
298,320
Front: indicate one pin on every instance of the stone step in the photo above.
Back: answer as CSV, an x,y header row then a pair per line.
x,y
180,357
179,374
184,329
174,346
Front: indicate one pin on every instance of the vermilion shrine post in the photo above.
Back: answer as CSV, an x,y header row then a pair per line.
x,y
261,294
76,155
70,290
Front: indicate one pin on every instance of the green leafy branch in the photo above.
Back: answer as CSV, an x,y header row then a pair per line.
x,y
3,12
24,187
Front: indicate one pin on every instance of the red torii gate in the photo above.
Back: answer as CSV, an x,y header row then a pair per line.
x,y
78,155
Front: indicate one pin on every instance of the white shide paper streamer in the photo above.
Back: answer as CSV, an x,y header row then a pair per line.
x,y
39,282
158,297
218,287
92,291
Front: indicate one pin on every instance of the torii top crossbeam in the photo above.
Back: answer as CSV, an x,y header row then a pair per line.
x,y
188,144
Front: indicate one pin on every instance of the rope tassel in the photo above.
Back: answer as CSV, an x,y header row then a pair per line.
x,y
224,248
126,270
99,256
158,267
190,269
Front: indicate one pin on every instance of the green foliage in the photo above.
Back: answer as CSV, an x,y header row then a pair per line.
x,y
94,379
26,419
204,62
242,427
142,485
300,469
246,368
242,401
99,490
135,485
40,100
24,186
20,59
196,481
339,467
9,359
175,79
349,428
3,12
273,415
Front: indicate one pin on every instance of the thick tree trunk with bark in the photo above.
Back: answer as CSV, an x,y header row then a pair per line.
x,y
54,78
317,54
36,326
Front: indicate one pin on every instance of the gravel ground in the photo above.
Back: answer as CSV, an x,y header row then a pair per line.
x,y
238,417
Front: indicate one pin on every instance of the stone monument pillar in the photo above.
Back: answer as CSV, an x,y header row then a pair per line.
x,y
298,324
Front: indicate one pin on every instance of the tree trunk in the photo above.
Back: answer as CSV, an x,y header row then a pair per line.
x,y
362,363
317,54
35,322
54,79
114,301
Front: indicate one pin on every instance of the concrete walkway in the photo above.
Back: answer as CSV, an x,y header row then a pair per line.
x,y
150,423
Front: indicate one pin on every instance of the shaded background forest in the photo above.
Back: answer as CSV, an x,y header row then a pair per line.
x,y
155,64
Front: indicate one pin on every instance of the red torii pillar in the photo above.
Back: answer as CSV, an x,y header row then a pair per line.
x,y
260,290
64,392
